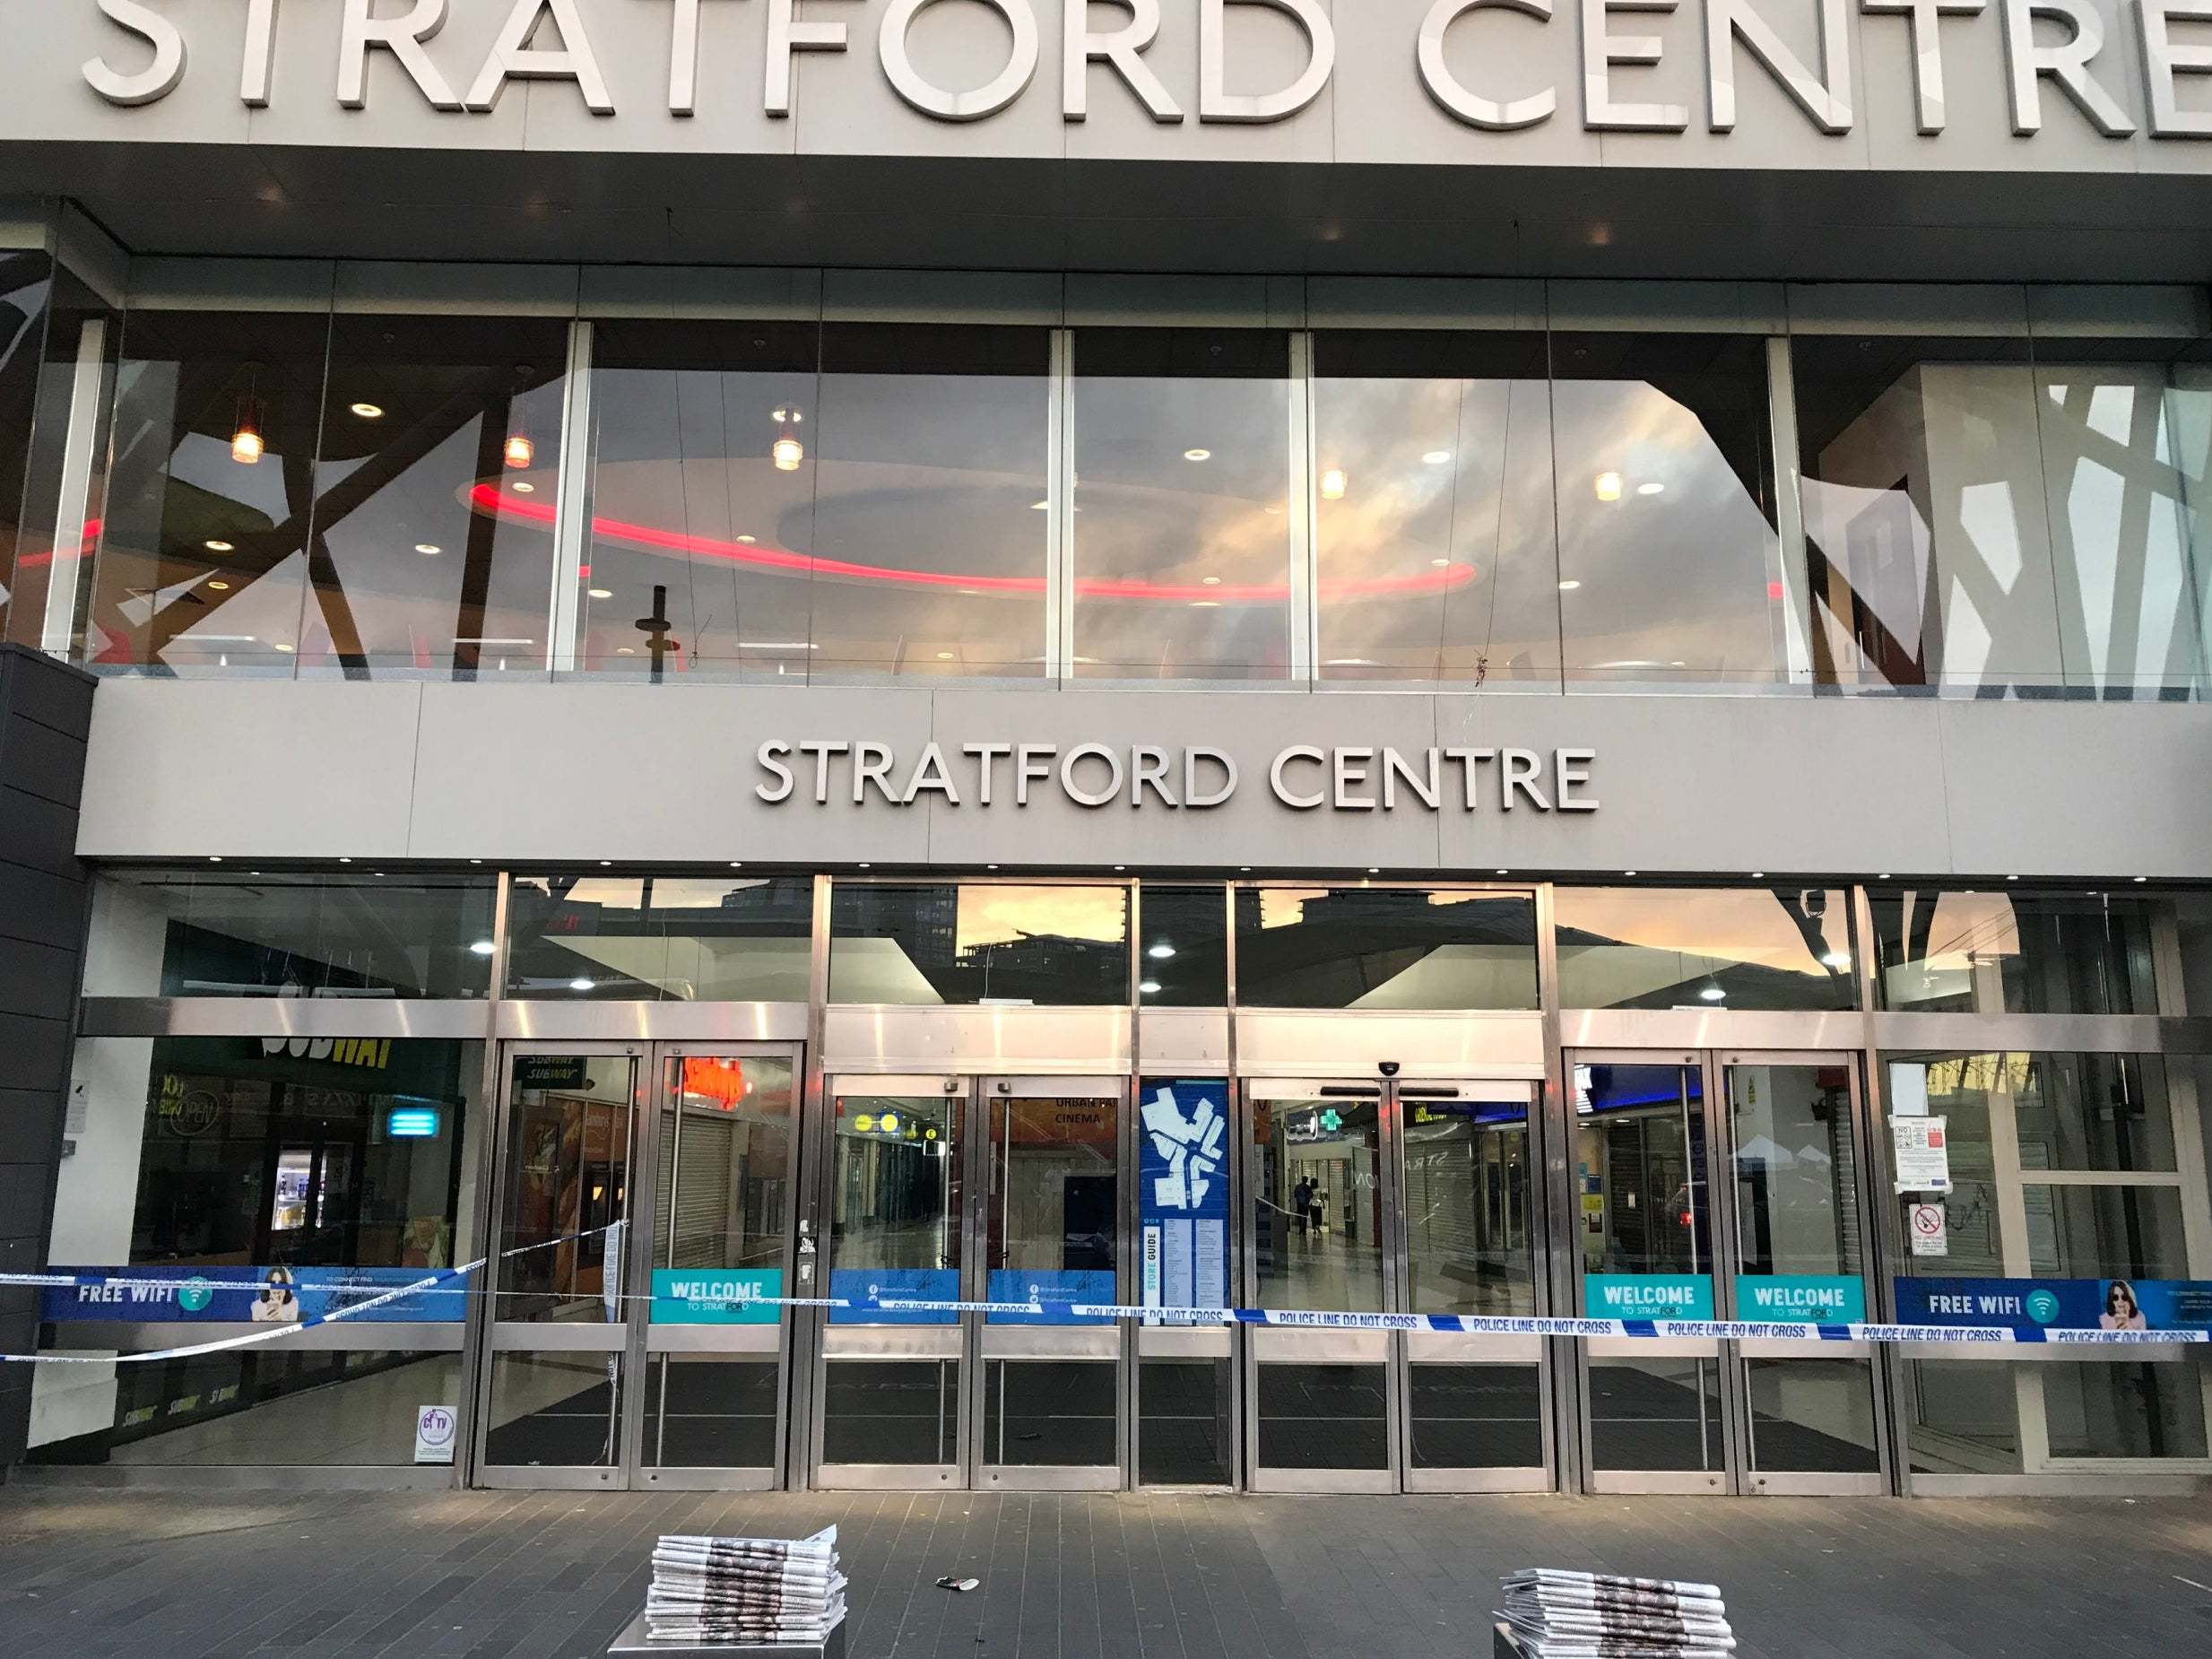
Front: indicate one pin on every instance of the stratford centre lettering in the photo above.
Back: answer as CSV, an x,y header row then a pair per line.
x,y
2051,51
1303,777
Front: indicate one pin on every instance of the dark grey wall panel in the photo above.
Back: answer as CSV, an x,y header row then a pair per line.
x,y
45,711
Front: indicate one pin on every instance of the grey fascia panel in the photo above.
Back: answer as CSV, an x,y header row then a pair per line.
x,y
1995,310
158,285
1603,305
1424,302
92,255
2113,311
389,288
745,294
1170,303
1018,296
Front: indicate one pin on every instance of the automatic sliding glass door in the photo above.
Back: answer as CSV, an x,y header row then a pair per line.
x,y
1723,1186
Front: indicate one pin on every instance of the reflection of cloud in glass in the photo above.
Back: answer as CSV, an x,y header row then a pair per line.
x,y
1746,926
992,916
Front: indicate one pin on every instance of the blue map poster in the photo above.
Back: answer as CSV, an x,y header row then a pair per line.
x,y
1184,1192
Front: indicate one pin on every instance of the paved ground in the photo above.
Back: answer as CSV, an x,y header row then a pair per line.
x,y
86,1572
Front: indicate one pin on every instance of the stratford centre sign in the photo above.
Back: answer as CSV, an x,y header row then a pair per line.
x,y
2121,67
1302,777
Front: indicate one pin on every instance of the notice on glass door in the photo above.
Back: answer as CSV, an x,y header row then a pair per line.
x,y
1922,1154
1184,1192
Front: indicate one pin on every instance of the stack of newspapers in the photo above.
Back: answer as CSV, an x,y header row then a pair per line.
x,y
748,1592
1559,1615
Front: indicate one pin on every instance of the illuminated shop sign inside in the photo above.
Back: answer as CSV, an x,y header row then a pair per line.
x,y
2044,53
1304,777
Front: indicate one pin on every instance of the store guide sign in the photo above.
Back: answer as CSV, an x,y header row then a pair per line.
x,y
1302,777
1492,65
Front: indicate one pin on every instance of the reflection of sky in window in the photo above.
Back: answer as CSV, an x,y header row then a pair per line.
x,y
1744,926
992,916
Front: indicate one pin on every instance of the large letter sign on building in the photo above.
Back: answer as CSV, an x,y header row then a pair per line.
x,y
1183,1194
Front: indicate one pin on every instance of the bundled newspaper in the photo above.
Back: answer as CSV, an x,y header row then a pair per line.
x,y
1561,1615
745,1591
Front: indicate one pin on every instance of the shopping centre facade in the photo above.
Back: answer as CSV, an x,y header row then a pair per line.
x,y
1465,660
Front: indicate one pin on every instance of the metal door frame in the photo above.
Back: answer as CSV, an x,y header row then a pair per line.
x,y
1737,1474
1101,1343
630,1339
1502,1352
967,1341
1268,1345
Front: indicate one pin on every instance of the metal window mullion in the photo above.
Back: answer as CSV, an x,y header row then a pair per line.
x,y
572,505
1060,512
65,571
1796,574
1300,511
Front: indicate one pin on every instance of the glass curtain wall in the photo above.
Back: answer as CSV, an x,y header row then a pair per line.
x,y
26,286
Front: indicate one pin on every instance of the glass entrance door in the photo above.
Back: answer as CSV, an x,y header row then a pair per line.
x,y
1391,1197
633,1332
1725,1186
1005,1191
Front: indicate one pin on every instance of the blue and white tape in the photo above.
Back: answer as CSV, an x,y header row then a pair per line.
x,y
452,1282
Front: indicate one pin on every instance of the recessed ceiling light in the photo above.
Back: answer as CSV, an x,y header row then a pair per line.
x,y
369,412
1210,581
944,656
600,592
283,647
523,486
1653,488
623,650
1148,987
1160,952
1629,872
2140,880
583,984
214,858
2012,878
1505,872
1205,604
1568,587
219,587
1714,994
1198,455
867,866
737,863
429,549
749,540
1608,486
1436,457
1759,875
1040,507
482,947
1374,869
1441,564
219,547
344,860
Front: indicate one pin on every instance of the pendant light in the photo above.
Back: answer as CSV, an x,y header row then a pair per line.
x,y
246,446
519,451
788,452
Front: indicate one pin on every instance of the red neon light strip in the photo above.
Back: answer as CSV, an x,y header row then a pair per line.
x,y
490,498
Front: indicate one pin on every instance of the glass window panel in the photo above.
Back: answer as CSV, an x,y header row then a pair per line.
x,y
2189,415
2129,585
1475,1416
1051,1414
1379,947
555,1411
202,562
2103,1112
1054,1218
660,938
1669,567
1184,1429
1812,1415
928,546
1184,943
2016,952
1182,536
726,1164
271,1151
895,1194
26,559
435,489
1319,1222
1437,553
1964,1089
1640,1150
1467,1207
1750,947
264,1407
1964,1417
2105,1232
1928,532
202,933
897,1411
570,1135
1796,1171
692,507
1323,1417
979,944
709,1412
2124,1410
1657,1414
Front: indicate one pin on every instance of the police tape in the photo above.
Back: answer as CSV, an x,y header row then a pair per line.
x,y
450,1281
